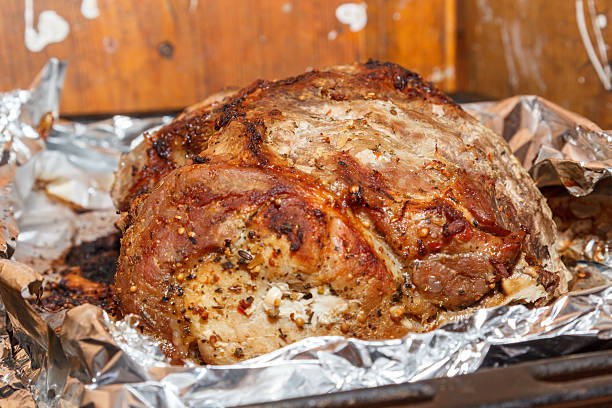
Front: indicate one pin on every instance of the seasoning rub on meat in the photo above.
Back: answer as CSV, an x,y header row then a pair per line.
x,y
357,200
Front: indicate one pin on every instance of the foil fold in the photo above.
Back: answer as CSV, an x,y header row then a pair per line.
x,y
54,181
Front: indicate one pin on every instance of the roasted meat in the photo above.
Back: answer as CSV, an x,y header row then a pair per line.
x,y
356,201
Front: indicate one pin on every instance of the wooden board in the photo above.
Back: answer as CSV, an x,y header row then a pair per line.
x,y
155,55
512,47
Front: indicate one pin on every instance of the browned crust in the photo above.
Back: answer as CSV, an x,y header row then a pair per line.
x,y
191,132
429,229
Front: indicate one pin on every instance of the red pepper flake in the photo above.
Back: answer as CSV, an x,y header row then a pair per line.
x,y
244,304
200,312
377,154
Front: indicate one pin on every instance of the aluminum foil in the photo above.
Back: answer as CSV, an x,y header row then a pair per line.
x,y
54,192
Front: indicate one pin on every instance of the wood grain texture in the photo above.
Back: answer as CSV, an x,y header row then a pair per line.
x,y
533,47
166,54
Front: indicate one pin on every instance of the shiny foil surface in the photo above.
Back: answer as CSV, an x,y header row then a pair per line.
x,y
54,181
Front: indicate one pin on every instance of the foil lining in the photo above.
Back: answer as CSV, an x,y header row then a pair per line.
x,y
54,181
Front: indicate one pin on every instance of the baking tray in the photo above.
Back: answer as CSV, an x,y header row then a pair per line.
x,y
579,380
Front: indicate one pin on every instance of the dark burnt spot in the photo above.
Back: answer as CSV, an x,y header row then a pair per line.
x,y
409,83
95,259
229,111
549,280
398,294
87,273
289,219
294,233
400,82
163,148
199,159
421,249
254,133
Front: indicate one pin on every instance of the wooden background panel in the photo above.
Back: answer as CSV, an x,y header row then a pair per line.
x,y
534,47
165,54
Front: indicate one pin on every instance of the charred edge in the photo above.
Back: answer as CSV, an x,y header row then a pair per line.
x,y
199,159
255,140
401,76
148,175
195,134
96,259
294,233
409,83
228,113
231,109
299,78
405,81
